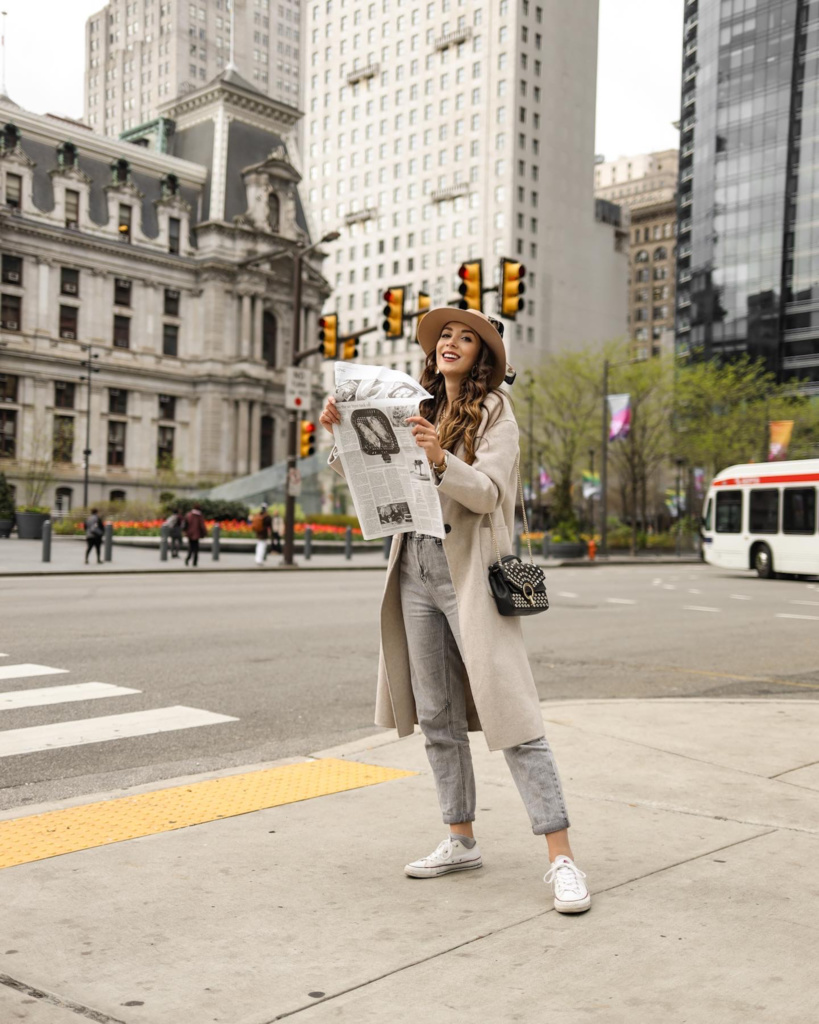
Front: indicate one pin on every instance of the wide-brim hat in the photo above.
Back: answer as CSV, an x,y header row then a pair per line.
x,y
486,327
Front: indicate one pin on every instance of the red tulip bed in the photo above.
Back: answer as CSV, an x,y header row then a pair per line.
x,y
230,528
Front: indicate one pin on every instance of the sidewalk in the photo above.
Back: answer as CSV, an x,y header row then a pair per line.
x,y
696,820
23,558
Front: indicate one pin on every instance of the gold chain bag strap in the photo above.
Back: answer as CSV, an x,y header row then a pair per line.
x,y
519,588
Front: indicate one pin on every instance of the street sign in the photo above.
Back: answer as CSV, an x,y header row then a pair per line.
x,y
293,483
297,388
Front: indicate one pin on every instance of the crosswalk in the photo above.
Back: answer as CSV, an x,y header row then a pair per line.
x,y
79,732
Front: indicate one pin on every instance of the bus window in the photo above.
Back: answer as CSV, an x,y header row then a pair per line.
x,y
764,511
709,508
729,512
799,510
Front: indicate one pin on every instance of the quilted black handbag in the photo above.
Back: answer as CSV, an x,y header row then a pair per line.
x,y
519,588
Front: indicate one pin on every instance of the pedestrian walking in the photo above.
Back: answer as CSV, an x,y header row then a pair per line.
x,y
195,529
277,531
449,660
174,523
262,526
94,530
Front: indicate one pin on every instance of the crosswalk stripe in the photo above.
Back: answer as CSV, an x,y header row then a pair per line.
x,y
27,671
43,695
108,727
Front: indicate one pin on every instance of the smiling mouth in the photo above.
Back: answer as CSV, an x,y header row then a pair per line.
x,y
450,357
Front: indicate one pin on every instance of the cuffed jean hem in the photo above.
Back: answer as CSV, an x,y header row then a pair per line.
x,y
553,826
450,820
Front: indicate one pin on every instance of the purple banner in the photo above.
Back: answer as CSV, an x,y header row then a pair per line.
x,y
620,411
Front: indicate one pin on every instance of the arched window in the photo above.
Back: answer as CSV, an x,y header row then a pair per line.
x,y
641,257
170,186
62,499
661,253
120,172
67,155
273,211
117,496
269,334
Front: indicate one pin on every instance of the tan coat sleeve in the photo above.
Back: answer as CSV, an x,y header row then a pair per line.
x,y
481,486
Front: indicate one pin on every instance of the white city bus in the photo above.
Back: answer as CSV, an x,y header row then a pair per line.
x,y
764,517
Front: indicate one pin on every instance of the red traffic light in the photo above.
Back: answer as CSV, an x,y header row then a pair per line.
x,y
308,428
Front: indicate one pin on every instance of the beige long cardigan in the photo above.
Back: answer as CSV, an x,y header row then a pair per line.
x,y
501,695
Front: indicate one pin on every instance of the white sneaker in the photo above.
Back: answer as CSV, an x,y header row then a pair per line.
x,y
450,855
571,893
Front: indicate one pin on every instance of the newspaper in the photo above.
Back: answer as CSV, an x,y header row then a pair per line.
x,y
389,476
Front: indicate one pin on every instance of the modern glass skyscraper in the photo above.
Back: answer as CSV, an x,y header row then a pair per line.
x,y
748,236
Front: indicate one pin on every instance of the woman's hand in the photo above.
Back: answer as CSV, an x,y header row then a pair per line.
x,y
426,437
330,415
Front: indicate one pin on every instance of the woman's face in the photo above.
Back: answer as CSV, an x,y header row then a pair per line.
x,y
457,350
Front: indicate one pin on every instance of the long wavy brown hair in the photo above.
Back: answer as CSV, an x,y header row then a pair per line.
x,y
461,421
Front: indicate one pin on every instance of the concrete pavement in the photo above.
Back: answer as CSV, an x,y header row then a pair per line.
x,y
696,820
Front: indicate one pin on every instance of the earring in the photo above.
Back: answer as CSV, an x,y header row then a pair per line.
x,y
437,371
474,373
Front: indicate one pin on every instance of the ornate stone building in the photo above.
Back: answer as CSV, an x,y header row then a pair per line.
x,y
135,249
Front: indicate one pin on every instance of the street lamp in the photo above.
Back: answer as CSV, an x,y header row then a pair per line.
x,y
680,463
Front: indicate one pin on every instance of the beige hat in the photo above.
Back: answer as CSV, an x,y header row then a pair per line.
x,y
486,327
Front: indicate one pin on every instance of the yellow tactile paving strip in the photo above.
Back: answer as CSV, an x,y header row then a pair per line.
x,y
40,836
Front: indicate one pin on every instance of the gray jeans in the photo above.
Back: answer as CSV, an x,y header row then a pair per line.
x,y
430,613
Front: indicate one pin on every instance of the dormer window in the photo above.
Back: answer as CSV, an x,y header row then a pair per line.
x,y
67,155
120,172
124,225
273,211
170,186
10,137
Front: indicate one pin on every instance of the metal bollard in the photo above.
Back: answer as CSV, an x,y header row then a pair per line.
x,y
163,543
348,543
308,543
387,546
517,544
47,540
108,542
216,538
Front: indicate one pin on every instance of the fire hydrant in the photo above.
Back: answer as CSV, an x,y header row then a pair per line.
x,y
592,549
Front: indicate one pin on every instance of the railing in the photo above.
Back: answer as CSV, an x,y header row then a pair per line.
x,y
450,192
358,74
460,35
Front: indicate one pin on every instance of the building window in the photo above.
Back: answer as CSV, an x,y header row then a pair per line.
x,y
12,269
8,433
122,331
266,446
273,211
69,318
117,497
641,256
69,281
116,443
170,340
167,407
10,306
660,253
124,226
120,172
8,387
164,448
174,231
117,401
14,191
67,155
63,498
269,335
72,208
799,510
122,292
63,439
171,307
64,394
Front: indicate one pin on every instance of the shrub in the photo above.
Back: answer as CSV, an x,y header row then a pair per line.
x,y
6,498
211,508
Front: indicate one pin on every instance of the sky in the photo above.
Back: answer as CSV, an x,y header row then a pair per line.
x,y
638,79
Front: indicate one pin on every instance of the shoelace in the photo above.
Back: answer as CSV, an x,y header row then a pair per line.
x,y
569,878
442,850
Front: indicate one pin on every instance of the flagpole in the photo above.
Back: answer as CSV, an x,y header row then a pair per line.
x,y
604,463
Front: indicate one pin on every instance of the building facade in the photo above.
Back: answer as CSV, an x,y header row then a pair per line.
x,y
646,186
748,257
138,255
438,133
141,54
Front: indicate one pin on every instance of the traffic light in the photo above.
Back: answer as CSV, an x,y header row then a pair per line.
x,y
394,312
512,287
307,440
328,335
424,302
349,348
471,288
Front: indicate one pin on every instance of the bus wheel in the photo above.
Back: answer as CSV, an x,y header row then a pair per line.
x,y
763,562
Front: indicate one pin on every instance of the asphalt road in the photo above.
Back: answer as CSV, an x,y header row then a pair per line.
x,y
292,658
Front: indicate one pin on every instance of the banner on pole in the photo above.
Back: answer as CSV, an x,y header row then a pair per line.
x,y
699,480
546,482
620,411
780,438
591,485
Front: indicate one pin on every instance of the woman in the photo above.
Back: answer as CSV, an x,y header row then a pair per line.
x,y
449,660
94,531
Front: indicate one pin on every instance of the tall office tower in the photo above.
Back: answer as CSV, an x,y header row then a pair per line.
x,y
647,186
445,131
141,53
748,247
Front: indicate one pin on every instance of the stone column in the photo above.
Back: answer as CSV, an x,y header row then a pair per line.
x,y
45,307
258,310
245,341
242,440
255,436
